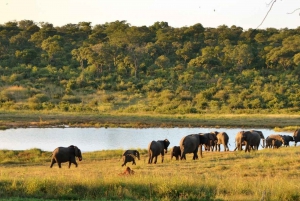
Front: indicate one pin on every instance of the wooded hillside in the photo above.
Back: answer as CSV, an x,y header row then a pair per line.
x,y
161,69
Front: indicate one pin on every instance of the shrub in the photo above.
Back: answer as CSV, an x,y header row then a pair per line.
x,y
71,99
38,98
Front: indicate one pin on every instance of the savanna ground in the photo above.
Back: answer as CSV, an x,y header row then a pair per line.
x,y
262,175
16,119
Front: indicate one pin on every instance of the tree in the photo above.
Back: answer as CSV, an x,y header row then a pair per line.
x,y
81,55
53,46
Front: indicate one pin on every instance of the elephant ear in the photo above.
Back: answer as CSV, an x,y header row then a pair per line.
x,y
72,149
166,143
77,151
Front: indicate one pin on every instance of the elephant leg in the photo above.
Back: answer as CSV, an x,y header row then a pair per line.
x,y
59,164
52,162
162,158
69,164
155,159
150,159
226,147
133,162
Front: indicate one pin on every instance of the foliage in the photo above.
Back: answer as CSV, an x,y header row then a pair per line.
x,y
192,69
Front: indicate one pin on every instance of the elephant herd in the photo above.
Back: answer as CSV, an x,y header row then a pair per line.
x,y
188,144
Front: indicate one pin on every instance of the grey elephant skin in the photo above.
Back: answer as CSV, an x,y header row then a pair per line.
x,y
239,141
287,140
211,141
272,141
251,139
175,152
191,144
156,148
66,154
262,137
296,136
133,152
222,138
128,158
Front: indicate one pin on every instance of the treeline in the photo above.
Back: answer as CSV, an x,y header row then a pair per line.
x,y
162,69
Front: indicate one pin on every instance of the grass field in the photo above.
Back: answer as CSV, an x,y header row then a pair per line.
x,y
17,119
262,175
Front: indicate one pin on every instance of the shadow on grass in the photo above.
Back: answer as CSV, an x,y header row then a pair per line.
x,y
117,191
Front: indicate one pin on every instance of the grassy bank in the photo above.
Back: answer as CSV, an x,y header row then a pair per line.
x,y
15,119
262,175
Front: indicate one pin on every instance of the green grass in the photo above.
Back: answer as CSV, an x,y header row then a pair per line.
x,y
16,119
268,174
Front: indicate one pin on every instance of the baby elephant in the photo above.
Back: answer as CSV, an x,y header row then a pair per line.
x,y
128,158
65,154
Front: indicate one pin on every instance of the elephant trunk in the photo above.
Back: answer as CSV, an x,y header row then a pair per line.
x,y
166,151
264,143
79,158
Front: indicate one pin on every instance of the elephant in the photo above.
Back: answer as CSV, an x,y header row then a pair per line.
x,y
287,139
296,136
211,141
223,138
252,140
175,152
261,136
190,144
156,148
66,154
128,158
271,141
239,141
133,152
277,144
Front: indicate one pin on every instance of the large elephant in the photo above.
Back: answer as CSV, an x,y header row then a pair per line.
x,y
251,139
190,144
222,138
133,152
66,154
239,141
271,141
156,148
261,137
211,141
296,136
175,152
287,140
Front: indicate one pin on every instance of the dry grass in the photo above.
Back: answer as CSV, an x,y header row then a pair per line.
x,y
18,119
261,175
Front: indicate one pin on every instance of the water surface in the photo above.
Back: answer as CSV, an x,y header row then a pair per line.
x,y
94,139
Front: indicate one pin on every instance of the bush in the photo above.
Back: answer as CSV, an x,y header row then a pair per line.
x,y
71,99
38,98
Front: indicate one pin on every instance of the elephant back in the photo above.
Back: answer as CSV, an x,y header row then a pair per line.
x,y
277,137
296,135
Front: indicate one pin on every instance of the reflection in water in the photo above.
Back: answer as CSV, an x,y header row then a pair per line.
x,y
93,139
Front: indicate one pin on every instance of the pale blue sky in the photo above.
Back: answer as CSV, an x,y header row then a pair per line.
x,y
178,13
